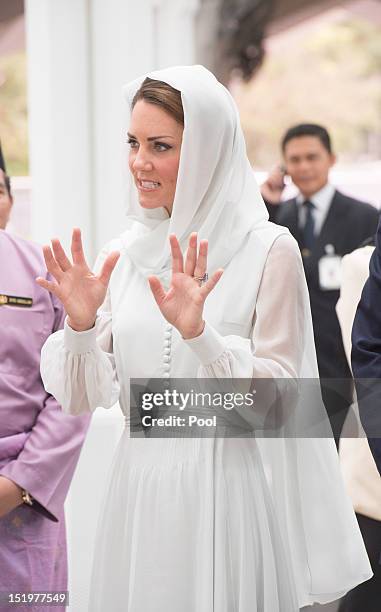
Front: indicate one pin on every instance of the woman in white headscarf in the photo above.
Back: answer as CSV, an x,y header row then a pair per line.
x,y
191,523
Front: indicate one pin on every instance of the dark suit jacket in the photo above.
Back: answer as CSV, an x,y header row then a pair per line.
x,y
366,353
347,224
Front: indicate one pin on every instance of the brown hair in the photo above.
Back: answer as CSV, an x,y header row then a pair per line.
x,y
162,94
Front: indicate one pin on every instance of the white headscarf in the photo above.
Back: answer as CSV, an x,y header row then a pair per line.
x,y
217,196
216,191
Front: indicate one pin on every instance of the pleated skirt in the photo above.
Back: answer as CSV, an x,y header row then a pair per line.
x,y
188,525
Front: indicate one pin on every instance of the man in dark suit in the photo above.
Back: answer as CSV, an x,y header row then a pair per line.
x,y
327,225
366,353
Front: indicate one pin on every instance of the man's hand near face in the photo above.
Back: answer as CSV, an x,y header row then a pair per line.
x,y
273,186
6,201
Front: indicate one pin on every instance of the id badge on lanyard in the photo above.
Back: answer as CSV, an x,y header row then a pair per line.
x,y
330,269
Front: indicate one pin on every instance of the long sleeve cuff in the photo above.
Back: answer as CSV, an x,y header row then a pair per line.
x,y
79,343
209,346
31,482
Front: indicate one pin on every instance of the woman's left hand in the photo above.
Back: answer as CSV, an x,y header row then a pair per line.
x,y
183,304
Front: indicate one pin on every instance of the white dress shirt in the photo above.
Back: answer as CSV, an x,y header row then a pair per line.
x,y
321,200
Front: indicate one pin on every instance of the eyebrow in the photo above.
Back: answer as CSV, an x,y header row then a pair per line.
x,y
150,138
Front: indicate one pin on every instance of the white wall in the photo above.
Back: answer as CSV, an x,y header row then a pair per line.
x,y
59,119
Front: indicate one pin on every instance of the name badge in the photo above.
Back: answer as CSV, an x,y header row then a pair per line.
x,y
15,300
330,270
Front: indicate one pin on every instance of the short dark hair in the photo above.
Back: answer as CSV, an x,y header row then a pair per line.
x,y
308,129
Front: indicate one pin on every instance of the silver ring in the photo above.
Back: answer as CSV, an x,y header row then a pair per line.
x,y
201,279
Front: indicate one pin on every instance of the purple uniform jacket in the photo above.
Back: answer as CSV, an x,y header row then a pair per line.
x,y
39,444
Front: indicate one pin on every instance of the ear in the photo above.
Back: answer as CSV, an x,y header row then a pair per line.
x,y
333,159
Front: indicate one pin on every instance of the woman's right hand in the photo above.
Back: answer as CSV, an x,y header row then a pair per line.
x,y
80,291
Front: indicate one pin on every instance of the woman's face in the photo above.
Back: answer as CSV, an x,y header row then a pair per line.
x,y
155,144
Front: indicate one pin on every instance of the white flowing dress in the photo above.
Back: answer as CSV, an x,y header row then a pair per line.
x,y
189,524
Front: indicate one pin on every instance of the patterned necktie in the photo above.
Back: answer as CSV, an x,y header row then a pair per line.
x,y
309,226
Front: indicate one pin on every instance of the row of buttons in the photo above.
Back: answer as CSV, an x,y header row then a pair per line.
x,y
167,351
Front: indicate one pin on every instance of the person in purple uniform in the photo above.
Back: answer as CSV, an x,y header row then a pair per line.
x,y
39,444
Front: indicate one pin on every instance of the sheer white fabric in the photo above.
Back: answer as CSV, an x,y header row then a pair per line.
x,y
82,374
216,191
167,497
88,356
199,524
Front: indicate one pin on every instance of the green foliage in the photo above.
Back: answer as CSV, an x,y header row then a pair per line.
x,y
13,113
330,76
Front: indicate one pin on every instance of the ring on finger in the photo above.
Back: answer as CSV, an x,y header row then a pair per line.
x,y
202,279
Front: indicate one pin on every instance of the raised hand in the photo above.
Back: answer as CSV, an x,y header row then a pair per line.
x,y
183,304
273,186
80,291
